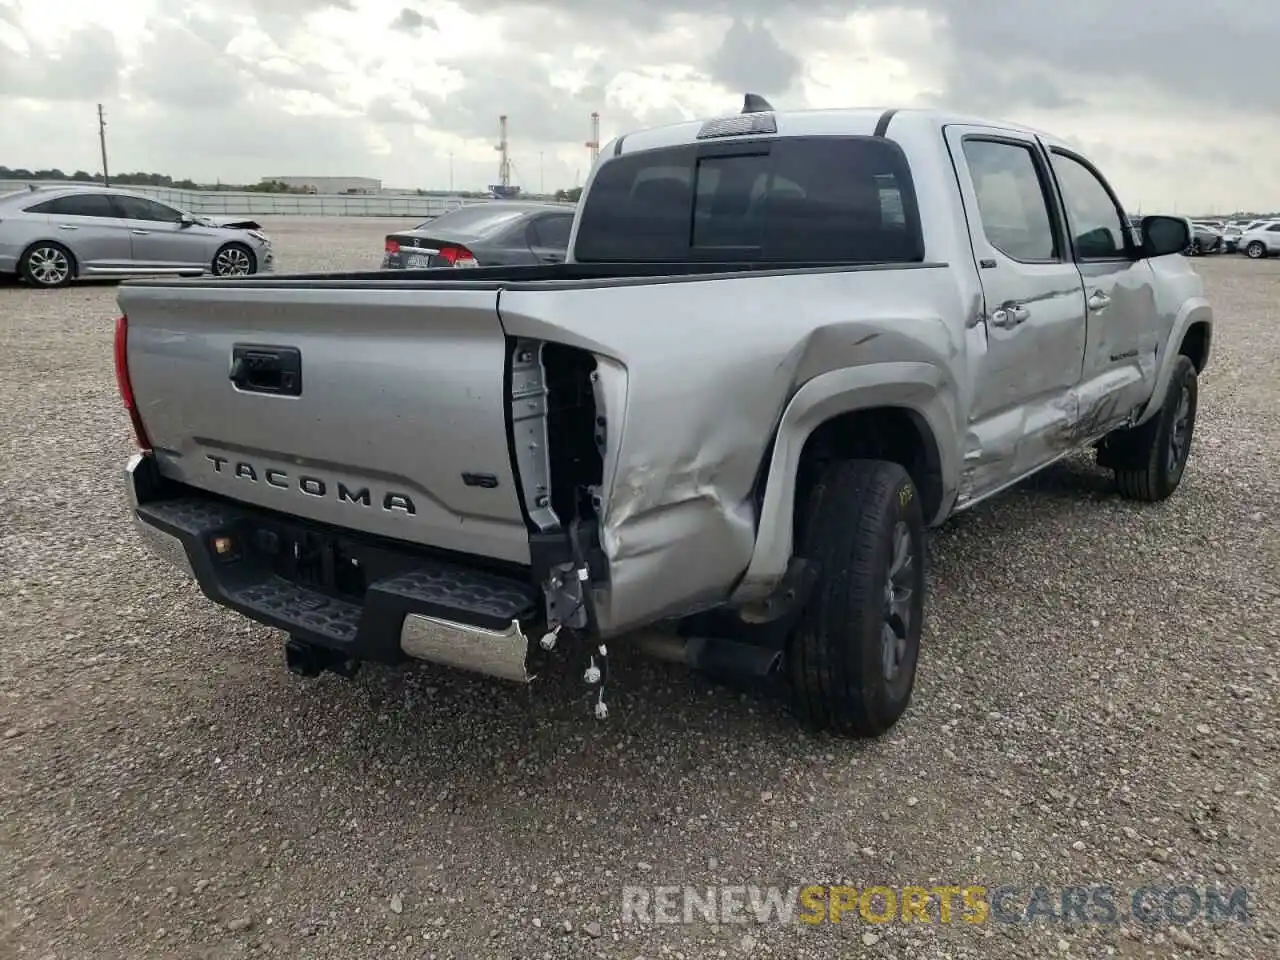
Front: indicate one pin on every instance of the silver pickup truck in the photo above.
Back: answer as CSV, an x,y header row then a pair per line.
x,y
783,345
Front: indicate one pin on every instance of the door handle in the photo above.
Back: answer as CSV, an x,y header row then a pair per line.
x,y
1098,300
1009,316
67,226
140,233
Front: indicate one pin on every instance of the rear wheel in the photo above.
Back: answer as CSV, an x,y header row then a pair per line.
x,y
1256,250
851,661
234,260
47,265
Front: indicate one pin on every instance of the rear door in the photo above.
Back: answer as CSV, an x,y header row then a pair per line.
x,y
1027,347
1122,330
159,237
86,223
548,236
394,425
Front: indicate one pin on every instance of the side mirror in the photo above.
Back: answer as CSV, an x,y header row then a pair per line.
x,y
187,220
1162,236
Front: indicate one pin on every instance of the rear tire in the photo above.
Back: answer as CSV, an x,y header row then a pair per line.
x,y
47,264
851,660
234,260
1149,461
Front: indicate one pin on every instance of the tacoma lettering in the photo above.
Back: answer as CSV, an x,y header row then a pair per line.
x,y
312,486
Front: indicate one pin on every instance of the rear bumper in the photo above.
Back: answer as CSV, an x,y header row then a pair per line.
x,y
359,596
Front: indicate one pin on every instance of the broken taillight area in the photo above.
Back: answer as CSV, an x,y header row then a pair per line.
x,y
392,245
575,431
125,386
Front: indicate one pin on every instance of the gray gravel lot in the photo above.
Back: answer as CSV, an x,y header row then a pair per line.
x,y
1097,705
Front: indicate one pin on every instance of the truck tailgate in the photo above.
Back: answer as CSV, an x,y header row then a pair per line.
x,y
393,422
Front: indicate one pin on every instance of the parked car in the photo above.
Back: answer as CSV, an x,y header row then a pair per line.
x,y
51,236
500,233
1205,238
782,345
1261,240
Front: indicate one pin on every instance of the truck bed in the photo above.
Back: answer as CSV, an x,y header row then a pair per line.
x,y
481,412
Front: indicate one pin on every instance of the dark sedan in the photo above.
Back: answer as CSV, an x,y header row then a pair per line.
x,y
500,233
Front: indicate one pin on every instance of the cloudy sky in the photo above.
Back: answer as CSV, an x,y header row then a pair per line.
x,y
1177,100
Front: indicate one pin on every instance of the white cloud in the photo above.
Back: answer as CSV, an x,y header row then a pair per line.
x,y
250,88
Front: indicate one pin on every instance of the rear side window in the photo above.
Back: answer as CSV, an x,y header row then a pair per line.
x,y
791,200
76,205
552,231
1011,199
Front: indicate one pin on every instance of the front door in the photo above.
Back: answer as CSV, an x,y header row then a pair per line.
x,y
1026,348
1123,329
160,238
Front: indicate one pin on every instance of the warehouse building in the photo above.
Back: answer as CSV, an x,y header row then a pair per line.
x,y
330,185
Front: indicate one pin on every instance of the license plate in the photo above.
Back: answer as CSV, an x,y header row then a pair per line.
x,y
418,261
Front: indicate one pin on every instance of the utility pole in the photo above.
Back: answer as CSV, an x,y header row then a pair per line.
x,y
451,171
542,180
102,142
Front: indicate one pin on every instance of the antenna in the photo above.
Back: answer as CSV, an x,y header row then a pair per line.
x,y
594,143
504,165
754,103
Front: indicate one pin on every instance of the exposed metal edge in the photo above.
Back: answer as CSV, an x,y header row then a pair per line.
x,y
494,653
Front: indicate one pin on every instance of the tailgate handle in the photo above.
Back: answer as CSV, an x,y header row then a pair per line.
x,y
262,369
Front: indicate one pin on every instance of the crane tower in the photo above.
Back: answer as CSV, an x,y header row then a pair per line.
x,y
594,143
504,164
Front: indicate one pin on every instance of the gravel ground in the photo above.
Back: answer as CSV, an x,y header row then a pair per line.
x,y
1097,705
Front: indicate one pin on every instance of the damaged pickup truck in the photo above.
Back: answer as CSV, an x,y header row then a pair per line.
x,y
783,345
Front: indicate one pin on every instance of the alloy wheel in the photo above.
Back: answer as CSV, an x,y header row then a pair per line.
x,y
48,266
898,589
231,262
1180,431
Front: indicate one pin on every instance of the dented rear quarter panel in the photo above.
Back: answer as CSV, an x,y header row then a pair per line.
x,y
707,368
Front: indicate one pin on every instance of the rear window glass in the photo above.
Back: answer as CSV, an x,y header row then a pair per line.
x,y
476,220
793,200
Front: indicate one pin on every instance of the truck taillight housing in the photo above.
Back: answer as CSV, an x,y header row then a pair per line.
x,y
126,388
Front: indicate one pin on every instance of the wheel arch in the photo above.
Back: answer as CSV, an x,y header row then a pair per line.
x,y
1192,337
902,412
